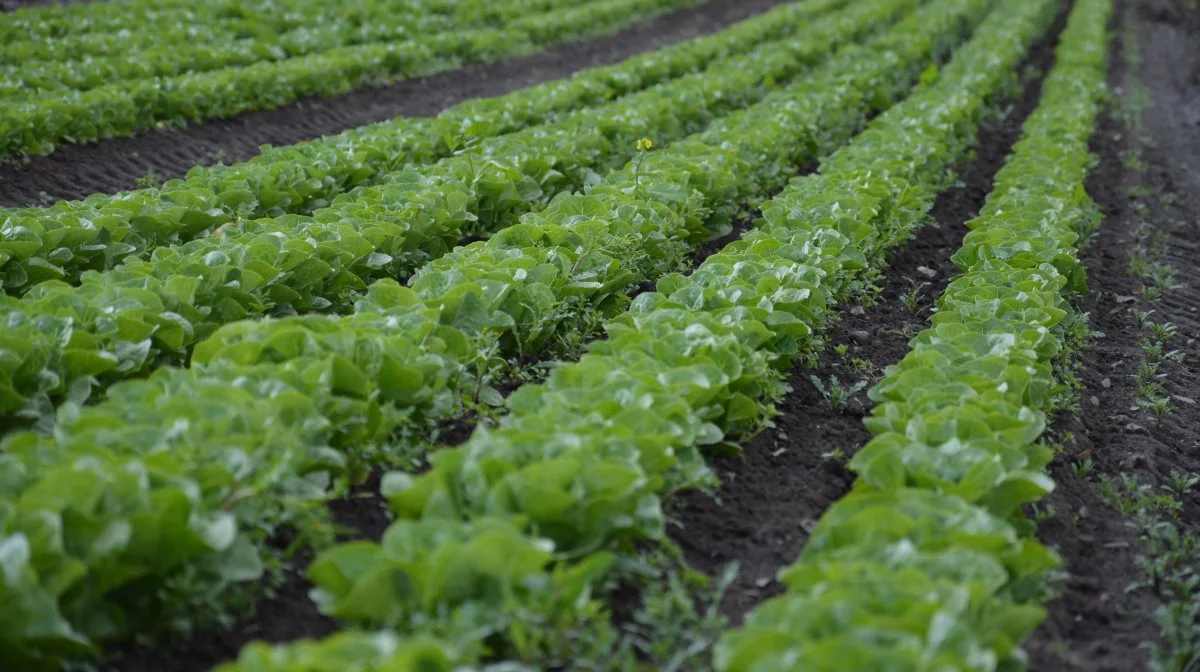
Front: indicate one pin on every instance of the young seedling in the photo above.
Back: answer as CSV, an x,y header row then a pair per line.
x,y
150,180
835,455
1162,331
1158,406
912,298
1133,161
1141,499
906,331
1136,191
1140,210
1161,277
860,365
1083,468
1169,569
835,393
1147,378
1179,622
1152,348
1142,317
1181,482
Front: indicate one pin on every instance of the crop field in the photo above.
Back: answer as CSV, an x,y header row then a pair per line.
x,y
522,335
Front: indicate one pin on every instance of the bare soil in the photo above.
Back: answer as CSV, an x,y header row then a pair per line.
x,y
115,164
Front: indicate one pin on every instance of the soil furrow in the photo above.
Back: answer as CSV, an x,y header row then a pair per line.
x,y
1094,620
773,494
75,171
1097,624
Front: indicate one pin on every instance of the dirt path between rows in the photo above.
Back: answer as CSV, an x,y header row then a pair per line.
x,y
115,164
772,496
1097,624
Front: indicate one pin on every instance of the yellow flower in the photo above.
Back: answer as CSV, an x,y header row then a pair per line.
x,y
645,144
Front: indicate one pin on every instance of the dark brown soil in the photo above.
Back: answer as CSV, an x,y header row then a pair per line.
x,y
1096,625
76,171
773,494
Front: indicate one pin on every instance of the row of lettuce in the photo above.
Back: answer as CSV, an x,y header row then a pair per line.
x,y
97,30
168,486
97,233
55,22
370,22
39,123
508,534
121,323
926,563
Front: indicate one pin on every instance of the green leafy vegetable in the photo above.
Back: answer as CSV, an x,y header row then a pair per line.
x,y
101,231
36,124
272,410
156,310
923,564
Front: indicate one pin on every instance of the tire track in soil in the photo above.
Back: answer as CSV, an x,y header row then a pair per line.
x,y
772,495
1095,625
115,164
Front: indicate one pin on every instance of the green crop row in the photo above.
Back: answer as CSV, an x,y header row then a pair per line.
x,y
76,30
354,651
58,21
62,241
928,562
168,484
499,542
125,321
369,23
37,125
